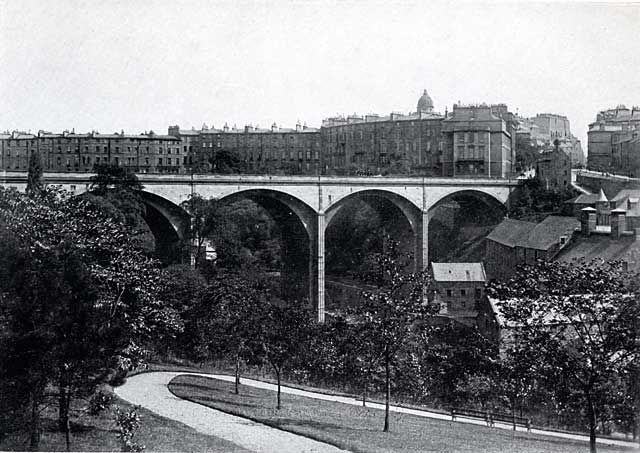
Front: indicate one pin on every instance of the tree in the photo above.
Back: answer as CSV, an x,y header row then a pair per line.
x,y
227,317
117,191
79,298
452,359
34,176
281,335
582,318
391,315
203,221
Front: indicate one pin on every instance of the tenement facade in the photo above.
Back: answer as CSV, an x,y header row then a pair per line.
x,y
613,143
475,140
545,131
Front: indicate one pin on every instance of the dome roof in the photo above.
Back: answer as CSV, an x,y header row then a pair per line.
x,y
425,104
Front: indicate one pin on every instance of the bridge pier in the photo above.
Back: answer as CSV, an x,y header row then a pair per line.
x,y
317,267
421,257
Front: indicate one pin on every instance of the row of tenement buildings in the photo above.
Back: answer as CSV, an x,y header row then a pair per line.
x,y
614,141
471,140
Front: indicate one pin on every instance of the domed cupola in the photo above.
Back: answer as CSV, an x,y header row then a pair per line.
x,y
425,104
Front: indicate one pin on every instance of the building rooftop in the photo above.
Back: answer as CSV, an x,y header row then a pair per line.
x,y
546,233
585,198
458,272
510,232
603,248
538,236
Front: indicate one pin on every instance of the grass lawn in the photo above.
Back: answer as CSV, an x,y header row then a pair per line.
x,y
99,434
359,429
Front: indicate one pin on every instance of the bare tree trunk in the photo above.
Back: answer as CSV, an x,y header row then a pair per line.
x,y
591,414
64,402
513,412
278,377
364,393
387,389
237,373
34,425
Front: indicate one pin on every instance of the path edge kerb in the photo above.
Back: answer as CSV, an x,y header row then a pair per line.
x,y
257,420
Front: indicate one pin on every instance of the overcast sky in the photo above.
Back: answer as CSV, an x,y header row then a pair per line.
x,y
139,65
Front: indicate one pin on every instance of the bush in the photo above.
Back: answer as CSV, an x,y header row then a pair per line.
x,y
99,402
128,423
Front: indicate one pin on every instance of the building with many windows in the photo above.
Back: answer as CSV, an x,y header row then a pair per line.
x,y
545,131
69,151
612,144
476,140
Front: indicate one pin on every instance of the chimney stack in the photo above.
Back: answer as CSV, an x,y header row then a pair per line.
x,y
618,223
588,221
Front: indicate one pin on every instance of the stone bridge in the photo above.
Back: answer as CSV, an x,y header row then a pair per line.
x,y
307,203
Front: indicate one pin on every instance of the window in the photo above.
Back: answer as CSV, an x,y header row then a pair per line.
x,y
478,293
448,293
117,149
169,161
463,292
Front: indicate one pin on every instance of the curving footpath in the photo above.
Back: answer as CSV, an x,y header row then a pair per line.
x,y
150,391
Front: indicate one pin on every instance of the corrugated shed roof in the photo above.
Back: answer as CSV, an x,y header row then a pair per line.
x,y
458,272
510,232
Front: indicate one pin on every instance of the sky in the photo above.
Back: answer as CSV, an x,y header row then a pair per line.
x,y
139,65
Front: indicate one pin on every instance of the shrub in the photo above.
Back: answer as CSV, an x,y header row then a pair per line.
x,y
128,423
99,402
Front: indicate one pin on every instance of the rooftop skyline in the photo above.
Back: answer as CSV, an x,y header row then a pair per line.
x,y
136,65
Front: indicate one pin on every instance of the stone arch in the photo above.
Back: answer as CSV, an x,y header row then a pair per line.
x,y
488,198
399,217
298,225
266,198
168,222
410,211
456,223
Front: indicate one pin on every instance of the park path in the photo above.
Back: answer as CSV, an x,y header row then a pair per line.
x,y
150,391
165,377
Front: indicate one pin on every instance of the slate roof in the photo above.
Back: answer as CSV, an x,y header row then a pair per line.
x,y
603,248
626,193
458,272
602,196
584,198
548,232
539,236
510,232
